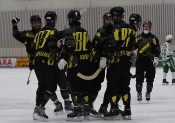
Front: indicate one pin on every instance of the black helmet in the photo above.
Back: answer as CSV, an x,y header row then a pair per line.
x,y
147,22
107,15
118,11
34,18
50,17
74,16
135,19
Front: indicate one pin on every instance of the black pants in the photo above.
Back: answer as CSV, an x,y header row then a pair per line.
x,y
79,87
118,81
145,69
145,66
46,76
62,82
77,84
95,86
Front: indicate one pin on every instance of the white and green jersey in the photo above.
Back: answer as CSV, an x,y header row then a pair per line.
x,y
166,51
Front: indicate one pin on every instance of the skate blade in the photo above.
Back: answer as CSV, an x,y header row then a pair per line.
x,y
87,117
139,101
59,113
96,116
173,83
68,111
147,101
75,119
37,117
165,83
126,117
112,118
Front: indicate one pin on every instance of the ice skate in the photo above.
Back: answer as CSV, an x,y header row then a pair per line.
x,y
164,82
139,97
86,112
147,96
35,113
126,114
113,114
68,107
103,110
93,113
39,114
58,108
75,116
173,81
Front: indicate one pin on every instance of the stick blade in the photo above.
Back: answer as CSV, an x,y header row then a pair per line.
x,y
28,82
89,77
83,10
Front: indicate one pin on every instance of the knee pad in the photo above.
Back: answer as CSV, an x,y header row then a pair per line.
x,y
139,87
149,87
85,97
112,98
126,99
76,98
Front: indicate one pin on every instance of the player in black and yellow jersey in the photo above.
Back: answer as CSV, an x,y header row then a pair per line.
x,y
43,52
147,59
27,36
119,62
76,58
101,42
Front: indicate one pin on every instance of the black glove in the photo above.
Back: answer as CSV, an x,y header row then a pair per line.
x,y
15,21
31,65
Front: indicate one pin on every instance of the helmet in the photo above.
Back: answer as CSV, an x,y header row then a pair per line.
x,y
74,16
50,17
135,18
147,22
34,18
169,37
107,15
118,11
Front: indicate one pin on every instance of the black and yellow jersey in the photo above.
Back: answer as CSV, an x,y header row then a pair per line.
x,y
124,36
45,45
102,44
147,45
77,46
26,37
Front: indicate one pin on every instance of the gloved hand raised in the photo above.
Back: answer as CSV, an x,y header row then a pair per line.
x,y
15,21
62,64
103,61
156,61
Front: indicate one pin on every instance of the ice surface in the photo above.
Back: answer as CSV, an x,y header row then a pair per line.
x,y
17,100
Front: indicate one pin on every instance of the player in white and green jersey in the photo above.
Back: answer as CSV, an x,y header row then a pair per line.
x,y
167,60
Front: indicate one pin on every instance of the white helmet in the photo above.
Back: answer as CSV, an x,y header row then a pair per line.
x,y
169,37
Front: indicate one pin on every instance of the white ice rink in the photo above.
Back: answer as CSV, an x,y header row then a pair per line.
x,y
17,100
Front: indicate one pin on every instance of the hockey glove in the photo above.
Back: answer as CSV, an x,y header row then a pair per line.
x,y
62,64
156,61
61,42
15,21
103,61
31,65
